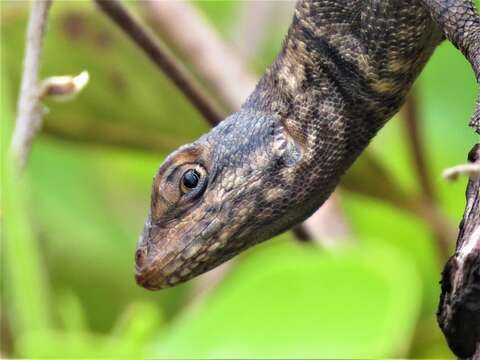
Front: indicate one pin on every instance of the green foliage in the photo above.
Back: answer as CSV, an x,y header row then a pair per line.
x,y
69,227
292,301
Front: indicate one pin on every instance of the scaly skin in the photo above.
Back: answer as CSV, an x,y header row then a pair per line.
x,y
344,70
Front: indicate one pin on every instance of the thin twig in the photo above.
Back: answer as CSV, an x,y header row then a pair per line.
x,y
163,59
428,207
412,125
29,108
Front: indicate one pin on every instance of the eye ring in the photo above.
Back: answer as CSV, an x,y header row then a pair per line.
x,y
189,181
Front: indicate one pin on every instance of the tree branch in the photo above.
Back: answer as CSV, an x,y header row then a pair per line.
x,y
459,308
163,59
29,108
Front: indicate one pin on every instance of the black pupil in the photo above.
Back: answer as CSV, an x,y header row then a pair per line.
x,y
190,179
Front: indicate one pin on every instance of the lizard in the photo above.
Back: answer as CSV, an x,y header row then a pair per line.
x,y
345,68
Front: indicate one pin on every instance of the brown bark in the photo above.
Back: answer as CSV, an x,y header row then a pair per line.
x,y
459,308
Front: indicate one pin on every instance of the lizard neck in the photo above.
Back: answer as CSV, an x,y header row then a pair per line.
x,y
338,81
333,86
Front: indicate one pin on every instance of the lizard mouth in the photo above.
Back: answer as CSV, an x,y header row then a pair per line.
x,y
152,276
161,271
144,280
167,267
151,280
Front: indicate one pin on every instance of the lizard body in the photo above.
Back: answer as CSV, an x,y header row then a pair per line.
x,y
345,68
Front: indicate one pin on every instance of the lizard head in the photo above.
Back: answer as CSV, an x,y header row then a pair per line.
x,y
213,198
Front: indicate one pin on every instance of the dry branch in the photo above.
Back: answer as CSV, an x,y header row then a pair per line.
x,y
412,125
459,308
427,206
29,108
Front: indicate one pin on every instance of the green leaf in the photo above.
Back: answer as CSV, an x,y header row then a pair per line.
x,y
378,224
139,322
126,340
290,301
64,345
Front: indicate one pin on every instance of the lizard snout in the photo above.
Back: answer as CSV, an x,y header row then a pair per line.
x,y
147,273
149,264
156,259
148,281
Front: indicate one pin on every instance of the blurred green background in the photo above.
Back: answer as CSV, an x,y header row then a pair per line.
x,y
70,225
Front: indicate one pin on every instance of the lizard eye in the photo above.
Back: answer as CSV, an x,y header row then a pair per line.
x,y
189,180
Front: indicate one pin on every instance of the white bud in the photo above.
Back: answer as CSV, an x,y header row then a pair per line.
x,y
63,88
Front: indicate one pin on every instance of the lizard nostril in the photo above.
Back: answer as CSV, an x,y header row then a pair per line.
x,y
139,258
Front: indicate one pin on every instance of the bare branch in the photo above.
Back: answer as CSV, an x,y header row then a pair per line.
x,y
412,125
163,59
214,60
458,311
29,108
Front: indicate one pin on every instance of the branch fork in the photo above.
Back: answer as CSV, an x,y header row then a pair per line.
x,y
30,110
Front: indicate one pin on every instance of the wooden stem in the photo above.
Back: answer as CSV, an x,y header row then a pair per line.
x,y
459,308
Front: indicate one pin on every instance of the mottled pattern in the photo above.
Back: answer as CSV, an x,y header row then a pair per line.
x,y
344,70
